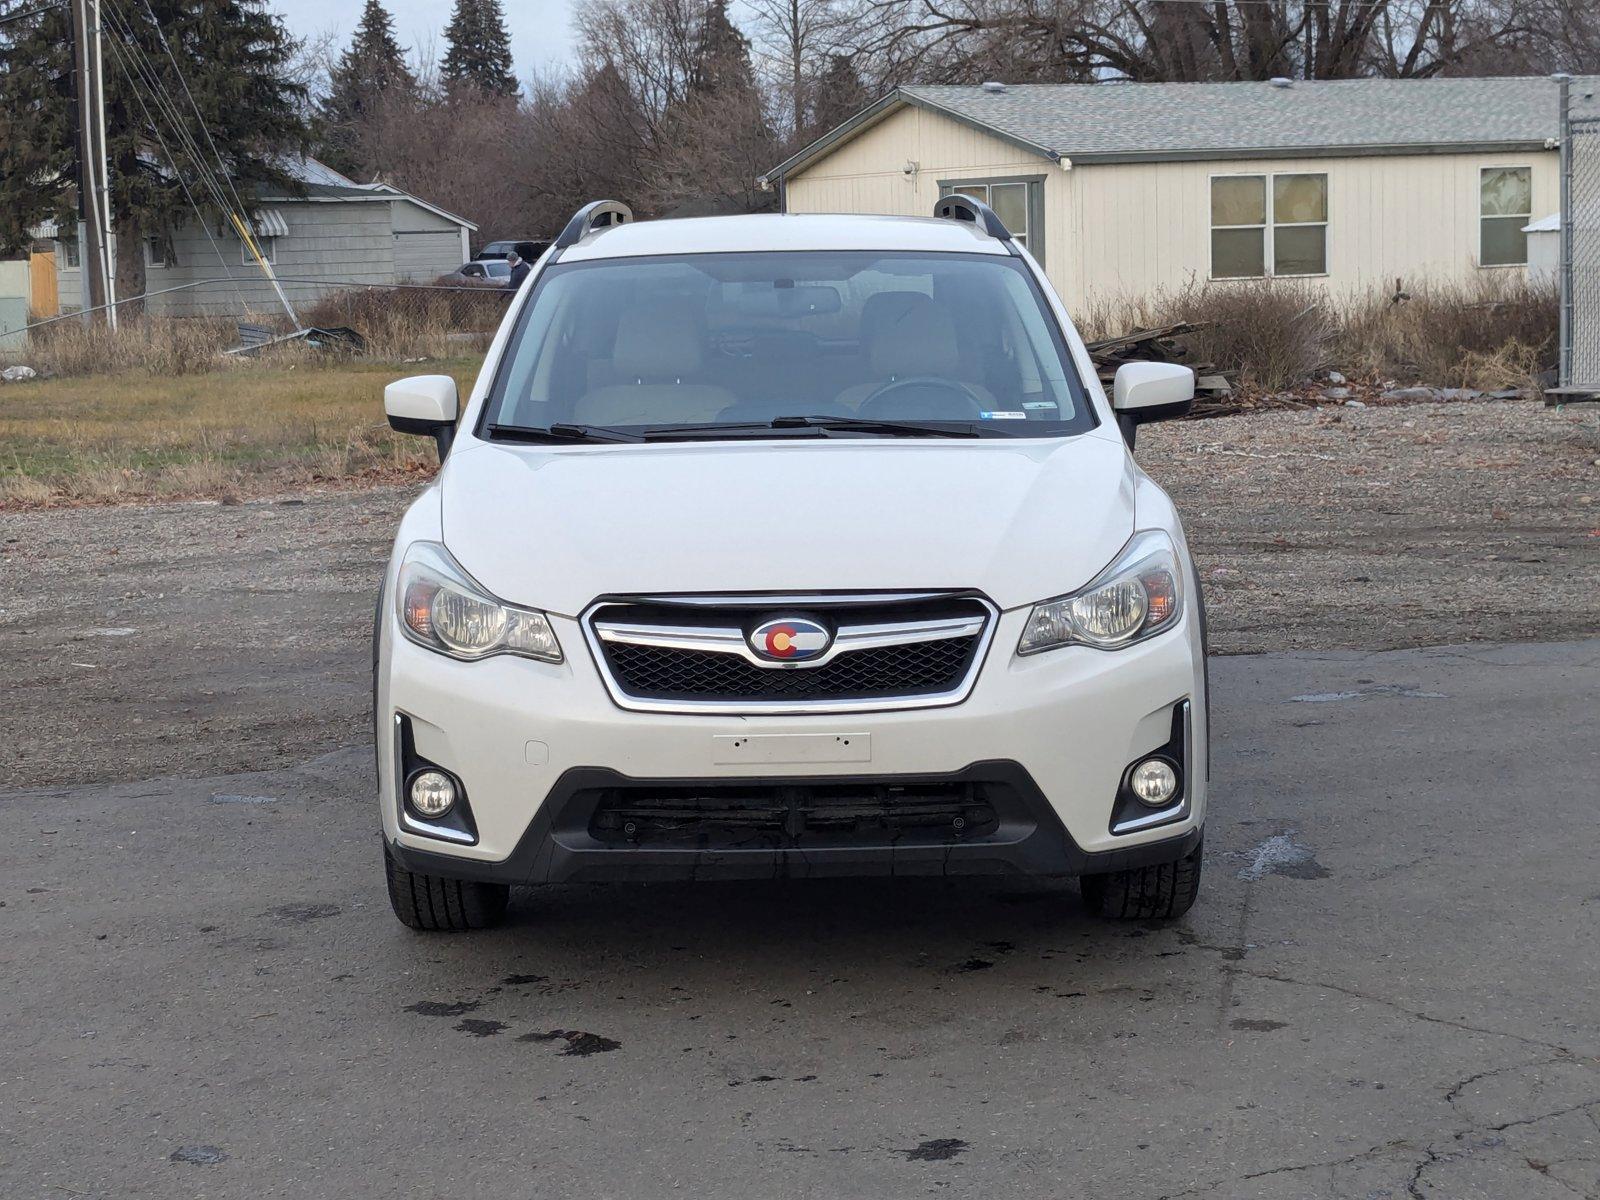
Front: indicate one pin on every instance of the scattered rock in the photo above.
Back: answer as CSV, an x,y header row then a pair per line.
x,y
1354,404
1335,377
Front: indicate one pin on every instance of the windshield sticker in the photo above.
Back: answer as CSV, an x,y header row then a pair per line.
x,y
1003,416
1037,405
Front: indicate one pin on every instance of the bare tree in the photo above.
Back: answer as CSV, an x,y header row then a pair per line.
x,y
1150,40
800,36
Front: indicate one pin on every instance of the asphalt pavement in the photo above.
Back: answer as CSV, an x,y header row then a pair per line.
x,y
1387,989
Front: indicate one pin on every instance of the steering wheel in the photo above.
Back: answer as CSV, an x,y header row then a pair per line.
x,y
952,400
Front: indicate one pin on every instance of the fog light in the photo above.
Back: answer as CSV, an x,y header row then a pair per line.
x,y
1154,782
433,793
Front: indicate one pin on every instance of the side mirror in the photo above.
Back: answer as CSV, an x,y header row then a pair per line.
x,y
424,404
1143,392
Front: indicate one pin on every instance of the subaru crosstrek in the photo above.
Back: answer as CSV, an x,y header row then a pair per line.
x,y
789,546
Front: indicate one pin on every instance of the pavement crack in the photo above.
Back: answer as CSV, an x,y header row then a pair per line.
x,y
1400,1008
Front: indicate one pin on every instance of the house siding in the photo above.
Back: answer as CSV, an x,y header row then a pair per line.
x,y
426,245
1115,231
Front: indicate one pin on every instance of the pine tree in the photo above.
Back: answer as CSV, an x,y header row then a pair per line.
x,y
478,50
836,96
370,72
722,56
232,57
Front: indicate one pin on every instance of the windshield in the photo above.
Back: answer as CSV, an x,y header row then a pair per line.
x,y
866,341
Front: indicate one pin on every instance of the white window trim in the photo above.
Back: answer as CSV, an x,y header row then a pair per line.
x,y
1268,254
150,258
1523,265
268,247
61,255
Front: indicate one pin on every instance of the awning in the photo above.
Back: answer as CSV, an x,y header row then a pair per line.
x,y
269,222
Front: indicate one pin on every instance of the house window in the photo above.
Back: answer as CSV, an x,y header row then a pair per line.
x,y
1017,202
1269,225
268,247
67,254
1505,206
156,253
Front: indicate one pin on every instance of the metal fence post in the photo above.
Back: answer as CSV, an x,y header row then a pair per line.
x,y
1564,367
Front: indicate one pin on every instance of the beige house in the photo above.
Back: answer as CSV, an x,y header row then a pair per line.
x,y
1123,188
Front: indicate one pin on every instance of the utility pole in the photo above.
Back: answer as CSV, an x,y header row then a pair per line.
x,y
94,186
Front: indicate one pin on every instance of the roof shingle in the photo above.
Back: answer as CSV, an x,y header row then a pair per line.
x,y
1110,122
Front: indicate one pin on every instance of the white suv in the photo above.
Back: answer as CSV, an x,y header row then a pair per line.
x,y
789,546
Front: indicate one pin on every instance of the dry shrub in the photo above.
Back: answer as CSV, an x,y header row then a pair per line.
x,y
24,491
413,321
148,345
1497,331
1268,334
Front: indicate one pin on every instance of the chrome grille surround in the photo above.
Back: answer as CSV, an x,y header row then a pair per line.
x,y
718,625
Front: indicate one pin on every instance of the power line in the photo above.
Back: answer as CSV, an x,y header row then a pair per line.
x,y
136,86
31,12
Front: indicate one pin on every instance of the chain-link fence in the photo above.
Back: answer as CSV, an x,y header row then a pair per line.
x,y
1580,233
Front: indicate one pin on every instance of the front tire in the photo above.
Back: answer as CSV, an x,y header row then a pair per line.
x,y
1158,892
435,903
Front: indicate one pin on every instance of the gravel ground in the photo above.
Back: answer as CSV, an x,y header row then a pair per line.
x,y
159,640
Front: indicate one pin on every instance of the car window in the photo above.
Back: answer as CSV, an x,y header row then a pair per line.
x,y
472,270
714,339
497,270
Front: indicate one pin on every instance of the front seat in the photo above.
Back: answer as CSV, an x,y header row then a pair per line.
x,y
915,339
657,350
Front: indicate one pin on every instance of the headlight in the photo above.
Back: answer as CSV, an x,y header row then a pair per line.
x,y
442,608
1137,596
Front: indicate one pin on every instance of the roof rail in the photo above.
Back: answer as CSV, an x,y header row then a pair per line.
x,y
595,215
965,208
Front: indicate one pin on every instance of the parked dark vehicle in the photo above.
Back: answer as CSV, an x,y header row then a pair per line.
x,y
499,250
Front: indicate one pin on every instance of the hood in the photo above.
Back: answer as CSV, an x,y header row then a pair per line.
x,y
557,528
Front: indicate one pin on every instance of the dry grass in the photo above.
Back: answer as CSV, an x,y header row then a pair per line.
x,y
404,322
255,428
151,346
1497,331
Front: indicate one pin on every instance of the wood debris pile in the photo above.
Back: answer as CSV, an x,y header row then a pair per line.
x,y
1167,343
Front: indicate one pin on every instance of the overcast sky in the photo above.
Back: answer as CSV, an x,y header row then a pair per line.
x,y
541,35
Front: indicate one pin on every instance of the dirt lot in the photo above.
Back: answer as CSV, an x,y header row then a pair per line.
x,y
207,638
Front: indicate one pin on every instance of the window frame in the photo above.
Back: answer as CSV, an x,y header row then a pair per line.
x,y
67,257
1528,220
151,262
1033,236
268,245
1268,240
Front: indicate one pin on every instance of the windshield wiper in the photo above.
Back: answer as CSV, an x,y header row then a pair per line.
x,y
870,425
560,433
822,424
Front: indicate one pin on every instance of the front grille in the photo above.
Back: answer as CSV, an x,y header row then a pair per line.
x,y
919,668
697,655
796,816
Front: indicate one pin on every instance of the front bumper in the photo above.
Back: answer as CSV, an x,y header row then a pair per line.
x,y
531,741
